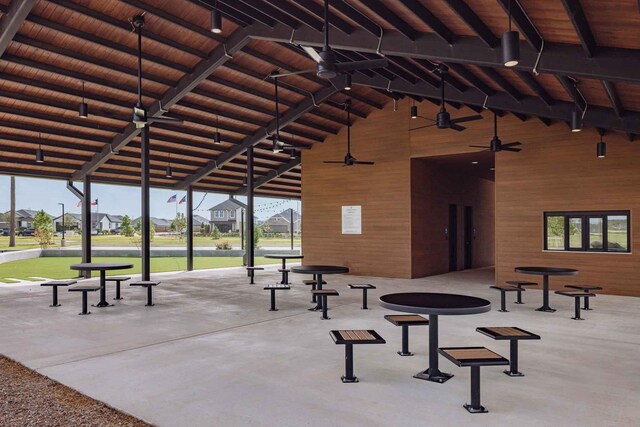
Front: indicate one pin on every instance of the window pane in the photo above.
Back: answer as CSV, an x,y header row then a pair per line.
x,y
617,233
555,233
575,233
595,233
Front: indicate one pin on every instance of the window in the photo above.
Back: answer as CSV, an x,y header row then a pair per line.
x,y
232,214
606,231
218,214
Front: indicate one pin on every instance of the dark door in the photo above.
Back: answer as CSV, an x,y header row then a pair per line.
x,y
468,237
452,235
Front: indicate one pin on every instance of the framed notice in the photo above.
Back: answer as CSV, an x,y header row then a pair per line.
x,y
352,220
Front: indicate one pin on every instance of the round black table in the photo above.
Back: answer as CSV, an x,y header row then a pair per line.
x,y
318,271
284,259
434,304
545,272
102,268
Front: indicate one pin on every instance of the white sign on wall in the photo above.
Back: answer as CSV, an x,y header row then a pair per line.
x,y
352,220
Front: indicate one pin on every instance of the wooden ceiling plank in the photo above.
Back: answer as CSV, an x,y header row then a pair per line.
x,y
581,25
317,11
11,22
430,20
502,82
473,21
610,89
273,174
536,87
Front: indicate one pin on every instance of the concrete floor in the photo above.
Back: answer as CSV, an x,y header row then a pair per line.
x,y
210,353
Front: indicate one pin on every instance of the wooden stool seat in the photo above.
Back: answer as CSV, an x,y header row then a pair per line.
x,y
576,295
53,284
513,334
365,288
503,290
276,286
149,284
406,320
587,289
84,288
273,288
474,357
350,337
328,292
323,294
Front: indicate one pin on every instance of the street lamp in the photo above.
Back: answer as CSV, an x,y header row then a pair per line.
x,y
62,242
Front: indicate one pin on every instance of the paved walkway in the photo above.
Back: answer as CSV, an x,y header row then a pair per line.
x,y
209,353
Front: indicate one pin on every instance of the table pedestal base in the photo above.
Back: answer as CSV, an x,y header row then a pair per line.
x,y
547,309
479,410
102,304
436,377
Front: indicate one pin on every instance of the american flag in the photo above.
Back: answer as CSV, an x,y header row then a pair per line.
x,y
173,198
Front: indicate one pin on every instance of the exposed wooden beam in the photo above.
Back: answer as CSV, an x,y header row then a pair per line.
x,y
469,76
10,23
610,89
522,21
581,25
536,87
318,12
473,21
379,8
502,82
430,19
274,174
569,87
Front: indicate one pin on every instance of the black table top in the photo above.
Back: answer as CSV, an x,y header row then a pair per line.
x,y
102,266
547,271
320,269
434,303
276,256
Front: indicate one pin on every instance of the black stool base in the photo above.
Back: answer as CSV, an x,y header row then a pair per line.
x,y
439,377
503,311
479,410
513,374
349,380
578,318
149,305
55,305
405,354
273,309
102,304
518,302
116,299
547,309
84,314
583,308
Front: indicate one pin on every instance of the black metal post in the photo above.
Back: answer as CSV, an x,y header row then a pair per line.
x,y
405,342
86,224
503,303
513,359
319,299
145,211
291,229
84,303
433,372
242,229
55,297
250,222
545,295
118,297
475,388
103,290
273,300
149,296
189,228
323,298
586,304
519,298
577,314
348,361
364,299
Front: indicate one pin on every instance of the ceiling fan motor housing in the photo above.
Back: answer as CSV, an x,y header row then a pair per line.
x,y
496,144
326,68
443,120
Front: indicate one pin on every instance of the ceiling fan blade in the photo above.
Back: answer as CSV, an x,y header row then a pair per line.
x,y
467,119
457,127
334,161
512,144
480,146
368,64
422,127
293,73
165,120
515,150
312,53
358,162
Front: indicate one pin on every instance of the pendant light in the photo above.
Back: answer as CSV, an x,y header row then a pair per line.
x,y
169,172
39,151
217,138
83,110
347,82
576,115
244,181
292,153
216,19
414,110
276,147
601,149
510,45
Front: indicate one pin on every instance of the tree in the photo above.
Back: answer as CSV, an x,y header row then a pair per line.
x,y
12,216
215,233
69,221
44,228
179,223
257,234
127,228
152,230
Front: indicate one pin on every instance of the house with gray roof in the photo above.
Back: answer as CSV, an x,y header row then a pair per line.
x,y
227,216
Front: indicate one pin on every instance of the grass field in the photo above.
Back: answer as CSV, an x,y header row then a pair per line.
x,y
158,241
58,268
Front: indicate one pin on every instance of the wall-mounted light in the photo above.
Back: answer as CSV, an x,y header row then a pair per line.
x,y
510,45
83,109
216,19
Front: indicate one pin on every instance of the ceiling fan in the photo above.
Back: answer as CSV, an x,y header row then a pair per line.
x,y
443,119
497,145
349,160
328,66
140,116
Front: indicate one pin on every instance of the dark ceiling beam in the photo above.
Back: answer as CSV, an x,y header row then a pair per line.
x,y
401,73
521,19
429,19
581,25
317,11
502,82
12,20
406,65
469,76
357,56
219,56
474,22
274,174
612,64
358,17
536,87
610,89
252,13
272,12
630,136
262,134
378,7
569,87
547,122
448,78
521,117
228,13
529,105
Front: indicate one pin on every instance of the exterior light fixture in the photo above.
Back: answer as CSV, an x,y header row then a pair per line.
x,y
244,181
601,149
216,20
510,45
347,82
83,109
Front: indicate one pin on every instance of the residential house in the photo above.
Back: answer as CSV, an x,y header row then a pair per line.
x,y
227,216
99,222
199,222
24,217
161,225
281,222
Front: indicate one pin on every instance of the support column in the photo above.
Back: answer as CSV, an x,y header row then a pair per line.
x,y
292,228
189,228
250,223
144,210
86,223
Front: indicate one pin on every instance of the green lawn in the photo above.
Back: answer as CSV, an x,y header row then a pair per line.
x,y
158,241
58,268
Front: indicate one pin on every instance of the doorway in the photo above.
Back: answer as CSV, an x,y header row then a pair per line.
x,y
452,235
469,236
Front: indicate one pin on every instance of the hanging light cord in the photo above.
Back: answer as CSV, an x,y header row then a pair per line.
x,y
535,66
201,201
575,97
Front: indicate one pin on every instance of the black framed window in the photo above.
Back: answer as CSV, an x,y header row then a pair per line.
x,y
597,231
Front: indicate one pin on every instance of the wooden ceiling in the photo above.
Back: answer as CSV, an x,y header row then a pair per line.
x,y
59,46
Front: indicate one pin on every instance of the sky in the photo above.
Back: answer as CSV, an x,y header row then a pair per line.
x,y
36,194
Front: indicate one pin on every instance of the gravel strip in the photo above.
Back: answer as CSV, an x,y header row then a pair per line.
x,y
30,399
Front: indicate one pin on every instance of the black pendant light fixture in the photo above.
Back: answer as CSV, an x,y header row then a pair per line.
x,y
39,151
83,110
217,138
169,172
244,181
216,19
292,153
347,82
576,114
601,149
414,110
510,45
277,145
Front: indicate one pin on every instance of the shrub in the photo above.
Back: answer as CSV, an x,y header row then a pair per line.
x,y
224,245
